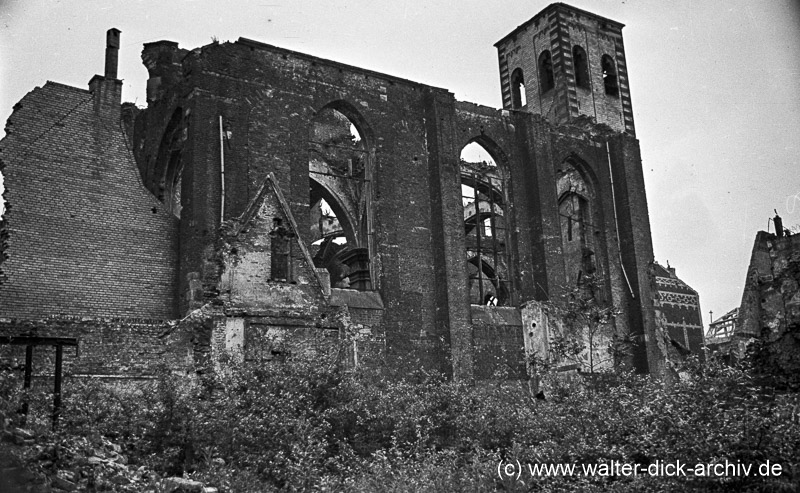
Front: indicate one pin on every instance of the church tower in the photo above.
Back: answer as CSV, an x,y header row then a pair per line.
x,y
564,63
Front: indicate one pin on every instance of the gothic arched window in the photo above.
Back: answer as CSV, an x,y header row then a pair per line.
x,y
577,224
485,227
340,196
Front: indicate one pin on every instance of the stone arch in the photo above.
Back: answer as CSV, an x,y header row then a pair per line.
x,y
320,191
580,221
610,82
341,157
496,152
355,116
486,228
166,178
547,79
580,63
518,96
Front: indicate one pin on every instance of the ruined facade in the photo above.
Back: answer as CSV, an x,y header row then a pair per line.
x,y
770,309
265,192
679,308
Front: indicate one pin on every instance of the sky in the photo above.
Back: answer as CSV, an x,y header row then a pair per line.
x,y
714,85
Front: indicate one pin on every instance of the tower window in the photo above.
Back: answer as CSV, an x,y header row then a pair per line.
x,y
610,76
546,79
518,97
581,67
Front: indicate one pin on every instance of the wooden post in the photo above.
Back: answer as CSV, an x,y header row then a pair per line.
x,y
27,382
57,389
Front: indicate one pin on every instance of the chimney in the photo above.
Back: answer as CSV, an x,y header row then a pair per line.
x,y
112,53
107,88
778,224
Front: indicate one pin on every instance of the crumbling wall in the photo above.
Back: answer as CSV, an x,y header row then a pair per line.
x,y
770,309
85,238
499,346
107,347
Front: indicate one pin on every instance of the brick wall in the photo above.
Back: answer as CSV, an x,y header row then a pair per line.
x,y
85,237
127,348
268,97
558,29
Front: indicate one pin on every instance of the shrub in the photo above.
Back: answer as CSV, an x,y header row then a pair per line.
x,y
304,424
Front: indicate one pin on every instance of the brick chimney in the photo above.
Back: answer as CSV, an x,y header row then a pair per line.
x,y
107,89
112,53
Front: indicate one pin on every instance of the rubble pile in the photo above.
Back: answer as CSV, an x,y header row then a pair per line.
x,y
55,464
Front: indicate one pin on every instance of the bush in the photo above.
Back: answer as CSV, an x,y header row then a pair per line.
x,y
304,424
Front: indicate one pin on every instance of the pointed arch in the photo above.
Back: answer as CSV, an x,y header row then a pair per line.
x,y
486,230
166,178
579,220
341,162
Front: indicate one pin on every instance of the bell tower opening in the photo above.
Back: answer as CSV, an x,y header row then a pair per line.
x,y
580,68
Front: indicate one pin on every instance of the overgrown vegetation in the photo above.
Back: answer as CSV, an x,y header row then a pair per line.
x,y
306,424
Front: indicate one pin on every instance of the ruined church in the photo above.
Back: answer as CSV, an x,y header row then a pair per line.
x,y
265,192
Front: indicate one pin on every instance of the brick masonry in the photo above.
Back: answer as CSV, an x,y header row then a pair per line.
x,y
770,308
406,212
678,306
85,237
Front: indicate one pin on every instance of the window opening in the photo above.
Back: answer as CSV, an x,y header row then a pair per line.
x,y
164,180
476,154
339,199
518,96
574,209
546,78
581,65
175,200
610,76
482,197
280,252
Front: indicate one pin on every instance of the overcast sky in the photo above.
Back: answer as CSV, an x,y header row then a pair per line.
x,y
715,87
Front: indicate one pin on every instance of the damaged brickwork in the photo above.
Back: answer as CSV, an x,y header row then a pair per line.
x,y
770,311
106,347
266,194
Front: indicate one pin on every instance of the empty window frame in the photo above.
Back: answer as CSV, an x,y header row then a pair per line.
x,y
581,65
339,178
280,252
610,82
577,224
518,96
546,78
486,236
